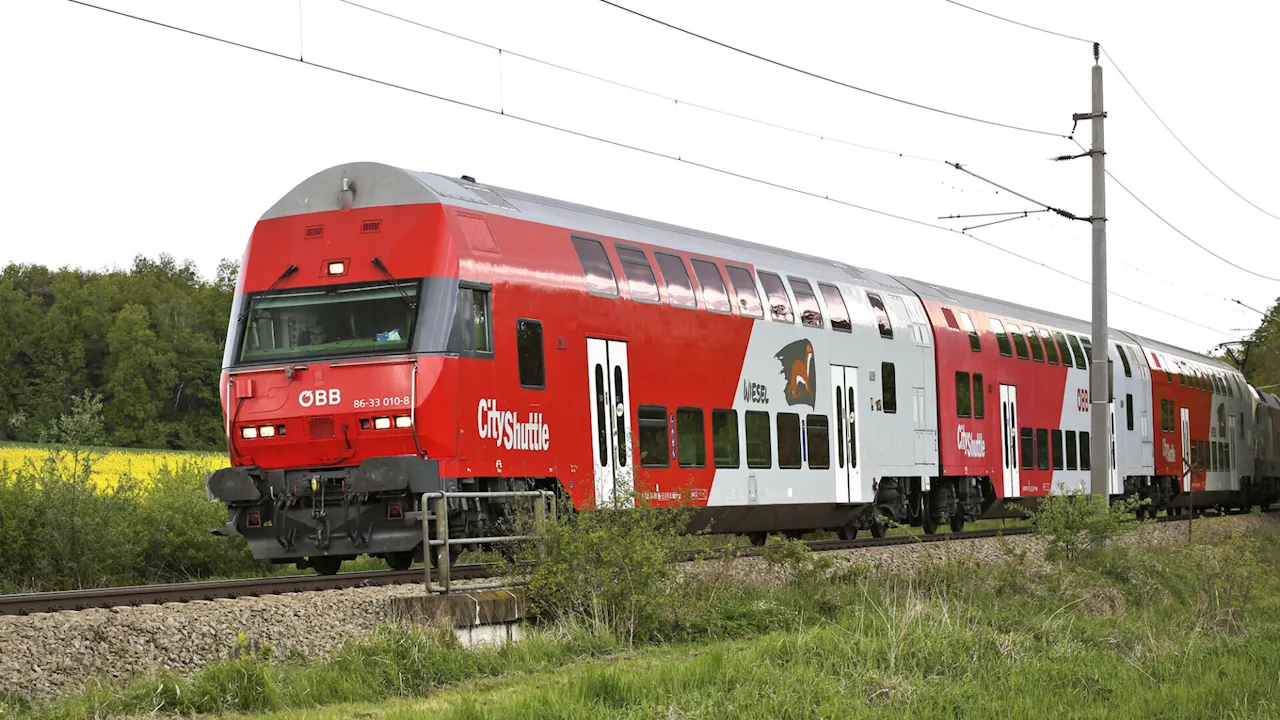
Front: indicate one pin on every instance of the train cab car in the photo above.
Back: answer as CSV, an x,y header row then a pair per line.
x,y
396,333
1266,447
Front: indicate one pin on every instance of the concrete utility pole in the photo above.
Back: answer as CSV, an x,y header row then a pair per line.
x,y
1100,365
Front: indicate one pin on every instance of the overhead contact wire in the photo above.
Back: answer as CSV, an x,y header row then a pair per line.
x,y
633,148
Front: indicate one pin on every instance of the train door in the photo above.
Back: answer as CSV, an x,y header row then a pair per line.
x,y
611,422
1231,453
844,389
1115,488
1009,434
1186,450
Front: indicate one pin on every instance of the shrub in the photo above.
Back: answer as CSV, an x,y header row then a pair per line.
x,y
612,569
1076,521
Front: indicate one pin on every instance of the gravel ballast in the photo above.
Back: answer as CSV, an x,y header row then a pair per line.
x,y
47,655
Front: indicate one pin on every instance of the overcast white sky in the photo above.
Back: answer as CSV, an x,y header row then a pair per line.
x,y
123,138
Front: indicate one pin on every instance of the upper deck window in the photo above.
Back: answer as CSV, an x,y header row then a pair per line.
x,y
635,266
714,296
1019,343
1033,339
778,302
744,286
975,342
835,305
1002,338
1124,360
1050,349
882,316
810,313
330,321
679,289
596,266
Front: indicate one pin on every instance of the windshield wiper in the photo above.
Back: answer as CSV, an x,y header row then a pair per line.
x,y
404,296
244,315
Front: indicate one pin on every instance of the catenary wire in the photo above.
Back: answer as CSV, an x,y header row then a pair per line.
x,y
1184,145
634,148
637,89
1190,239
1015,22
1134,88
824,78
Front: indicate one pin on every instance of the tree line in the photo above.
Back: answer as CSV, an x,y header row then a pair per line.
x,y
144,343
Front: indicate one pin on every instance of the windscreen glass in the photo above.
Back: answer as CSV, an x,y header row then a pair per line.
x,y
331,321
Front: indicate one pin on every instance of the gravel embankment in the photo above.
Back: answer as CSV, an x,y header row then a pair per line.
x,y
47,655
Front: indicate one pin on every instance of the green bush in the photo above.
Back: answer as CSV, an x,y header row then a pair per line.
x,y
59,530
1077,521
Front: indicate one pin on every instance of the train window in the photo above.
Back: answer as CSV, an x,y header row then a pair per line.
x,y
840,428
1240,427
691,438
1195,454
950,317
1182,377
1071,449
979,397
806,302
1019,343
744,286
835,305
882,316
602,419
889,387
1002,338
679,289
724,438
714,296
653,436
1042,449
596,266
1222,420
1128,410
789,450
1088,350
1063,348
1077,352
471,321
975,342
963,400
1086,458
1028,437
1050,350
529,354
1227,381
635,267
759,444
1124,360
1057,449
779,305
818,439
1033,339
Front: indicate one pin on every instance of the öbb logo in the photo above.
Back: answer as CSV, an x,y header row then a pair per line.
x,y
507,431
320,398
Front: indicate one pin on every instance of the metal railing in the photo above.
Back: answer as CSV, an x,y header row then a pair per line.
x,y
442,542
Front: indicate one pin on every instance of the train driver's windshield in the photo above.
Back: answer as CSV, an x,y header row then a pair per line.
x,y
329,321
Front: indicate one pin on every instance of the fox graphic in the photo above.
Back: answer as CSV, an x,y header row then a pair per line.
x,y
800,370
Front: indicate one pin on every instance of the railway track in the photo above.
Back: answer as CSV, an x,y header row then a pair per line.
x,y
27,603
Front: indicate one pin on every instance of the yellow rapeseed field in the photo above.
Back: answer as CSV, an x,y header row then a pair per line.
x,y
110,464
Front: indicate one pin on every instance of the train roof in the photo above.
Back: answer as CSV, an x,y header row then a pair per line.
x,y
376,184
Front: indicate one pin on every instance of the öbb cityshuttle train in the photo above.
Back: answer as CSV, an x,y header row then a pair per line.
x,y
397,332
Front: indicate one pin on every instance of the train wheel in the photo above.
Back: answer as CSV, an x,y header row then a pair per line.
x,y
957,522
879,528
928,522
758,538
325,565
400,560
847,532
454,552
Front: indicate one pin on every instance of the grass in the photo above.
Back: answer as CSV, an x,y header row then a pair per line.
x,y
1173,632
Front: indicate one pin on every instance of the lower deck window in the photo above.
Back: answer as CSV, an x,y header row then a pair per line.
x,y
759,442
819,442
788,440
691,440
724,438
653,436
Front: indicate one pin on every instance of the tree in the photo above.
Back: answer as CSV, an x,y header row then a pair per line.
x,y
140,374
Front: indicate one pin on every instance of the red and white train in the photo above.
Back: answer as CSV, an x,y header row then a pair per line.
x,y
398,332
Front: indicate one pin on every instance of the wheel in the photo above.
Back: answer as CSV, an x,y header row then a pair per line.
x,y
758,538
879,528
957,522
400,560
847,532
454,552
325,565
928,519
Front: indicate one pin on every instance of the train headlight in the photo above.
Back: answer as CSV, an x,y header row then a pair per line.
x,y
267,431
248,433
381,423
337,268
404,421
